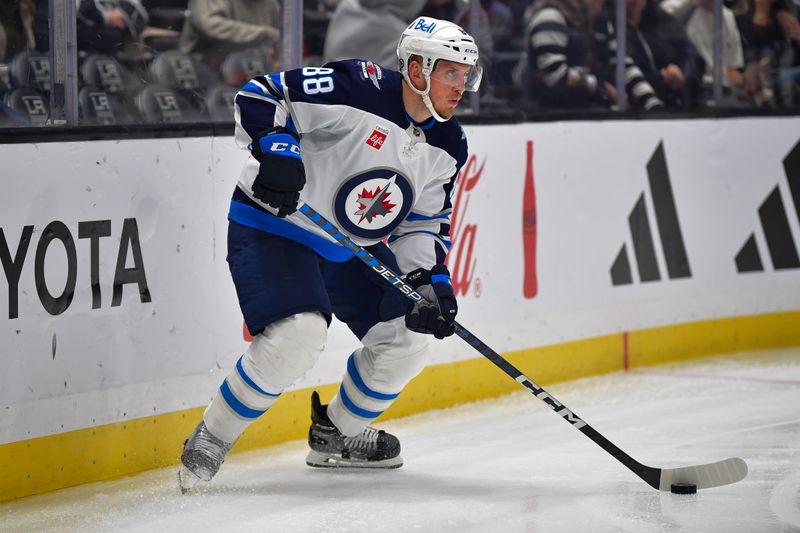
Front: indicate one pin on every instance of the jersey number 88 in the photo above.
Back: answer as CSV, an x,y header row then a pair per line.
x,y
319,83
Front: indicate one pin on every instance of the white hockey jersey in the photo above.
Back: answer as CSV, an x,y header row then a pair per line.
x,y
369,168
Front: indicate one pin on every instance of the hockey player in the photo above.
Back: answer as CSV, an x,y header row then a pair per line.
x,y
376,151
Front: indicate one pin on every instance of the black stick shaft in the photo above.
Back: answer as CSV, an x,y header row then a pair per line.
x,y
649,474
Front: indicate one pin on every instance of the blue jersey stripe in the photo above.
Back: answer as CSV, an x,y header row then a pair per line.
x,y
359,383
412,217
290,123
276,79
261,220
251,87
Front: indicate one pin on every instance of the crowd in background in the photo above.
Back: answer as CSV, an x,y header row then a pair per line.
x,y
153,61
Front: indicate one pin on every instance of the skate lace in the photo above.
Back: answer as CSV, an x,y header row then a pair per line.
x,y
366,440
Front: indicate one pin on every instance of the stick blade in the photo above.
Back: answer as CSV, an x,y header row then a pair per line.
x,y
705,476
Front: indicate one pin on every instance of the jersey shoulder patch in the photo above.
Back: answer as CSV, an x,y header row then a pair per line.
x,y
371,72
365,75
357,83
374,88
346,82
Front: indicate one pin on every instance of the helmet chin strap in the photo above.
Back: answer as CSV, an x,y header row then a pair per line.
x,y
426,97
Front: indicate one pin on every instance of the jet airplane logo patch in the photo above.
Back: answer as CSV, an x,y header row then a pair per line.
x,y
374,203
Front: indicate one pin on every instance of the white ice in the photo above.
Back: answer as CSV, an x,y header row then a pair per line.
x,y
506,465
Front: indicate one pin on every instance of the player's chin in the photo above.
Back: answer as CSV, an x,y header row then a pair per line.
x,y
447,111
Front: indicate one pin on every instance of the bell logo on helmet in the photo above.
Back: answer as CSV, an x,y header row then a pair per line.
x,y
421,26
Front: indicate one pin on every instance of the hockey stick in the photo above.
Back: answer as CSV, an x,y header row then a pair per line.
x,y
703,476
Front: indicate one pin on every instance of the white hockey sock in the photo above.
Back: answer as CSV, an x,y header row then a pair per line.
x,y
238,403
358,404
376,373
276,358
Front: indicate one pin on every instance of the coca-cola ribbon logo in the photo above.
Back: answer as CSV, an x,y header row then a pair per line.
x,y
460,259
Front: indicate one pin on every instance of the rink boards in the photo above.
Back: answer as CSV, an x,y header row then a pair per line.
x,y
625,244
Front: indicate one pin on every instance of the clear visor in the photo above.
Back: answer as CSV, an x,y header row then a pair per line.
x,y
458,75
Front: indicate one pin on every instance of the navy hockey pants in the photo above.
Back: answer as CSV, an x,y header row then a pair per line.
x,y
276,277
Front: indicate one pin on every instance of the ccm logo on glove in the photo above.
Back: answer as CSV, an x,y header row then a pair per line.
x,y
281,174
285,147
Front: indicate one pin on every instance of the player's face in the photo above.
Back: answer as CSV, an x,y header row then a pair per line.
x,y
448,82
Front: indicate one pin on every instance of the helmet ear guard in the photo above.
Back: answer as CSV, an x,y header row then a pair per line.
x,y
433,40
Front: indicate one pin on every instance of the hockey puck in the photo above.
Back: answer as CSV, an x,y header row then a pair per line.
x,y
683,488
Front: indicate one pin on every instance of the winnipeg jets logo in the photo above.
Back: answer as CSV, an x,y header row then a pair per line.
x,y
372,204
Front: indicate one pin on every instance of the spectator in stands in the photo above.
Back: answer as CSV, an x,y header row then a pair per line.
x,y
739,89
659,46
367,29
317,15
458,12
215,28
106,26
501,22
518,8
771,39
763,23
16,28
571,58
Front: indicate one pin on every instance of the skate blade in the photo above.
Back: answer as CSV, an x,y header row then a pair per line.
x,y
321,460
187,480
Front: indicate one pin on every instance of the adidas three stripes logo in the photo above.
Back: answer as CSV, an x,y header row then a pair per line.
x,y
775,224
773,214
669,230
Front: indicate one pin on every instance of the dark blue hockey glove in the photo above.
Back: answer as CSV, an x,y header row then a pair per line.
x,y
437,315
281,175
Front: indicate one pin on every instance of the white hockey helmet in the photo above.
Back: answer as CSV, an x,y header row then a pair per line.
x,y
431,40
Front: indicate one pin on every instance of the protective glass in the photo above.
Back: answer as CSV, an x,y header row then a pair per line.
x,y
458,75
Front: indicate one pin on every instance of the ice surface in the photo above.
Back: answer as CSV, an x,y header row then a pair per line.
x,y
504,465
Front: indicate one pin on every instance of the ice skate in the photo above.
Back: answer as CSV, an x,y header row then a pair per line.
x,y
203,454
371,448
